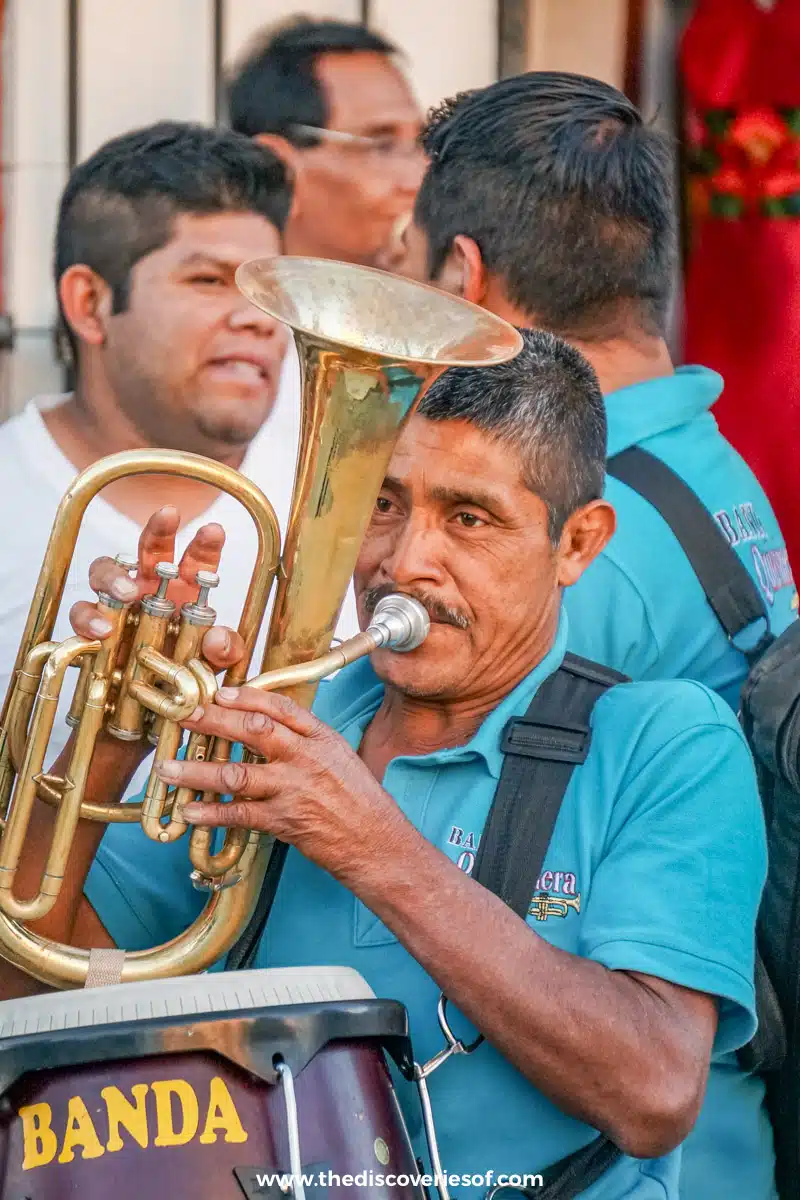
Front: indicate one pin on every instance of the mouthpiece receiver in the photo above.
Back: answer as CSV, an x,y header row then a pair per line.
x,y
401,623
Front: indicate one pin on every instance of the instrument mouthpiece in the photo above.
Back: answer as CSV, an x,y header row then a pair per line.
x,y
400,622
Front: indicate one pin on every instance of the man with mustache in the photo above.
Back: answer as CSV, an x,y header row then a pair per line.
x,y
444,614
603,1018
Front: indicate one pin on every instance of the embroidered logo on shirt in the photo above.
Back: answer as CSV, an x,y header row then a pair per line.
x,y
468,844
544,903
556,895
742,524
771,567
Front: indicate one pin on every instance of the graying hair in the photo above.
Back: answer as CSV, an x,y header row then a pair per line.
x,y
548,405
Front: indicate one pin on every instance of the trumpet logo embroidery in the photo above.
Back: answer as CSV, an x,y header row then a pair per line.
x,y
544,905
544,902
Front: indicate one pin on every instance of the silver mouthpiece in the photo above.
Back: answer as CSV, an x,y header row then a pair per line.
x,y
400,623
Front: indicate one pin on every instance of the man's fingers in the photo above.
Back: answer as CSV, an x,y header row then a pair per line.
x,y
87,620
105,575
223,647
235,779
157,543
282,709
254,730
203,552
238,813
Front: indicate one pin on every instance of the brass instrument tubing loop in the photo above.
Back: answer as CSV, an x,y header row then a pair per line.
x,y
369,345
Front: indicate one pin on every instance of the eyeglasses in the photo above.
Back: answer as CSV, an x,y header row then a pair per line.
x,y
382,146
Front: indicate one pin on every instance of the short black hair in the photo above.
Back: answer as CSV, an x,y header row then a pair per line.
x,y
548,405
275,89
120,204
567,192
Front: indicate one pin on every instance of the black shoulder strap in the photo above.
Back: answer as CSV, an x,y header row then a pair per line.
x,y
541,751
725,580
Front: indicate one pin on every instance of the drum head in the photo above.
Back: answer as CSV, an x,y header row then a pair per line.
x,y
208,993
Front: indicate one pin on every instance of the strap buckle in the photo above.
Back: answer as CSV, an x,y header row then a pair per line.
x,y
561,742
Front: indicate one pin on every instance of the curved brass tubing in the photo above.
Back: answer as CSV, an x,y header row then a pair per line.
x,y
369,346
25,794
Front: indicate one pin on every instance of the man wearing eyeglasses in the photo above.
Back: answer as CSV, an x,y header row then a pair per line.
x,y
329,99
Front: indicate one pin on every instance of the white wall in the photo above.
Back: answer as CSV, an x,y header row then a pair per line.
x,y
451,45
35,152
138,61
243,18
585,36
143,60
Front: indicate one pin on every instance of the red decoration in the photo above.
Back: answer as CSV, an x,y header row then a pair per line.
x,y
740,61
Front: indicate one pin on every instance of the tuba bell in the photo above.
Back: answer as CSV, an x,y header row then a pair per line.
x,y
369,345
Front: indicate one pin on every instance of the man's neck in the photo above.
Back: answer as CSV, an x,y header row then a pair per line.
x,y
618,361
88,427
303,242
622,362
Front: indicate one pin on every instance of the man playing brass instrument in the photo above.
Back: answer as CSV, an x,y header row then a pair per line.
x,y
601,1014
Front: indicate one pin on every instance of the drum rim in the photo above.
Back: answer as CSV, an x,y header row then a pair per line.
x,y
292,1033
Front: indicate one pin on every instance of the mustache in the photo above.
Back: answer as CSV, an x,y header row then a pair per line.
x,y
438,611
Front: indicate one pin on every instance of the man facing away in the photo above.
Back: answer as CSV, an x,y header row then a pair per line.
x,y
603,1018
549,202
168,353
329,99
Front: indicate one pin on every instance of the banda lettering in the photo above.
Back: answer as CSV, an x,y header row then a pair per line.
x,y
167,1112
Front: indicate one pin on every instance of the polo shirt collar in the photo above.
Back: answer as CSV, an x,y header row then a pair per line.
x,y
353,718
644,410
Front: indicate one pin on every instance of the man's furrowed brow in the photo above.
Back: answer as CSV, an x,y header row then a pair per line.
x,y
466,494
392,484
200,258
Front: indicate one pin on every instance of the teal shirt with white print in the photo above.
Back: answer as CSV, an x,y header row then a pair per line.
x,y
649,883
639,607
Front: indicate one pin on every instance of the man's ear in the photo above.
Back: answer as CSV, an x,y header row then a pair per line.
x,y
86,302
464,273
283,149
585,534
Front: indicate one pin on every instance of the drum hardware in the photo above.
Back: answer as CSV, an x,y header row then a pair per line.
x,y
453,1045
369,344
296,1185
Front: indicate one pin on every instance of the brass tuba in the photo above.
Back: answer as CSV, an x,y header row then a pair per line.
x,y
369,344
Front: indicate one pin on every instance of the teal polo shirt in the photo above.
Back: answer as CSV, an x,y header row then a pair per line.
x,y
648,882
639,607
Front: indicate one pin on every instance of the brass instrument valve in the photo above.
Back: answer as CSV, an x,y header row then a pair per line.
x,y
130,564
158,605
130,718
200,612
87,664
196,617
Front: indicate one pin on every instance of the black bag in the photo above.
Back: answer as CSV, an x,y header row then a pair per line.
x,y
770,718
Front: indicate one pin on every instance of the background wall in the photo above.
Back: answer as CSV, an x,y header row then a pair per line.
x,y
77,72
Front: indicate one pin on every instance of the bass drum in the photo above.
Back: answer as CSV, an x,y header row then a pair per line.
x,y
209,1087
